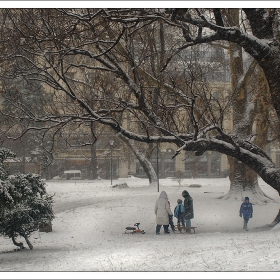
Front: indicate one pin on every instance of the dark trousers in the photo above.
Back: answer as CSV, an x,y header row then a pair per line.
x,y
171,222
246,219
181,221
165,227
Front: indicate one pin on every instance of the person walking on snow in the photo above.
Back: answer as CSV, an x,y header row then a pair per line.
x,y
246,209
162,211
179,213
188,210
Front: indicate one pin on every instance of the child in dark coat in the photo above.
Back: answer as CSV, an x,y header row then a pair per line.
x,y
246,209
179,213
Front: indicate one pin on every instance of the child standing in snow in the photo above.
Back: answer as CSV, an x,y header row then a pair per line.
x,y
179,213
246,209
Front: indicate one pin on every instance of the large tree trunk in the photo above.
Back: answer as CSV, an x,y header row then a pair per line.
x,y
269,63
265,25
243,180
145,163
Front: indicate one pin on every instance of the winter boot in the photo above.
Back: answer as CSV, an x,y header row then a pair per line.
x,y
158,227
166,231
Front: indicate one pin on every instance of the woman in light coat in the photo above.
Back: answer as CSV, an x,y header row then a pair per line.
x,y
162,211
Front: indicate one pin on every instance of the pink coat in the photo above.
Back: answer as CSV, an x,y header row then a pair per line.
x,y
162,209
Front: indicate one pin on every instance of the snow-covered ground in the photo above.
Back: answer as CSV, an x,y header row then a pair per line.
x,y
91,217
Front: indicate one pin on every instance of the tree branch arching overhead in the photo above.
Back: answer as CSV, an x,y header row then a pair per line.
x,y
113,43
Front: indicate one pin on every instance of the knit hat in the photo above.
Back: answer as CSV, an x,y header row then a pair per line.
x,y
185,193
179,201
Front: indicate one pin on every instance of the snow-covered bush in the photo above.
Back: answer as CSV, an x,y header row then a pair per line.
x,y
195,186
120,186
24,203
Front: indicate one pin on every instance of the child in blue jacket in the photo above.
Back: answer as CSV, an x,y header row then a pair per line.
x,y
179,213
246,209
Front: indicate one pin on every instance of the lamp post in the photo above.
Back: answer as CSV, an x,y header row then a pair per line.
x,y
111,163
157,169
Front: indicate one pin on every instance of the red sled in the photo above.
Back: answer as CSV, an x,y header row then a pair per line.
x,y
134,229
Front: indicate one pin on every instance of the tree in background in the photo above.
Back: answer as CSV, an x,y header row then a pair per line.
x,y
249,104
20,92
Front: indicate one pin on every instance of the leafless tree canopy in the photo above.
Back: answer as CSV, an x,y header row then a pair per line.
x,y
134,70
